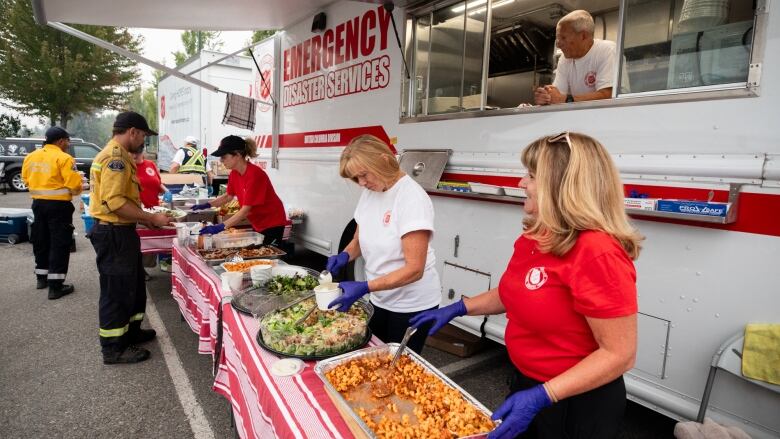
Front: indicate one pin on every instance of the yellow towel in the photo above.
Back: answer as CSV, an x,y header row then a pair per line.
x,y
761,353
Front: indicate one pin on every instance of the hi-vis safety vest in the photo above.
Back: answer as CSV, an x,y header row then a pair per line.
x,y
194,162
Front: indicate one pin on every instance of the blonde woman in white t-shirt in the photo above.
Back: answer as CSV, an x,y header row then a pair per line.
x,y
394,227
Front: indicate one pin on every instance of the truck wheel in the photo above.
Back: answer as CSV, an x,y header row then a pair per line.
x,y
355,270
13,239
15,179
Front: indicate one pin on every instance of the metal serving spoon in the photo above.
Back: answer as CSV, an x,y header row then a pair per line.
x,y
381,388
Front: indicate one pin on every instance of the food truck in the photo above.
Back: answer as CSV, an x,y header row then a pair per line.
x,y
691,125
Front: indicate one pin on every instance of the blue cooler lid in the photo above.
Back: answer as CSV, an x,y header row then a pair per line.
x,y
10,212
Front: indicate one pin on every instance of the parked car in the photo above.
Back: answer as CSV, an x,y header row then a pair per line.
x,y
14,149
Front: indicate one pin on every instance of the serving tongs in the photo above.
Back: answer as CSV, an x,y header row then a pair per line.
x,y
381,388
300,321
308,296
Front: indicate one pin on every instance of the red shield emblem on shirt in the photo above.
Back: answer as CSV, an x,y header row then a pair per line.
x,y
386,218
150,172
162,107
535,278
590,79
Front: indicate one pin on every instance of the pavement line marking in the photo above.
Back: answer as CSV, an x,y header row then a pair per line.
x,y
200,426
458,366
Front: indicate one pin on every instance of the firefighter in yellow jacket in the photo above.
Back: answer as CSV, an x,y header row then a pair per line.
x,y
51,176
116,207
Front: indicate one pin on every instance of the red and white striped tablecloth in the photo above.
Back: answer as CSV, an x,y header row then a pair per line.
x,y
197,289
156,240
265,405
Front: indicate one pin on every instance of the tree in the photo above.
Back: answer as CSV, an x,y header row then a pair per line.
x,y
9,125
95,128
259,35
143,100
48,73
194,41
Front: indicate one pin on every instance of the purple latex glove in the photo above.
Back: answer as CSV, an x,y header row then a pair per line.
x,y
440,316
337,263
517,412
212,230
201,206
352,292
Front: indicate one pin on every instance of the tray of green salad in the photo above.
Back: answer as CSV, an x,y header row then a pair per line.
x,y
323,334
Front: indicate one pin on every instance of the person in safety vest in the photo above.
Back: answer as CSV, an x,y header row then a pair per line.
x,y
116,206
51,176
569,294
190,159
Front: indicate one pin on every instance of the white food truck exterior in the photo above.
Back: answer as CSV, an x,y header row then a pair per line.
x,y
699,283
185,109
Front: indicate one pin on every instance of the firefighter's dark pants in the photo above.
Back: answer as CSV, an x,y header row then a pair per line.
x,y
51,236
122,287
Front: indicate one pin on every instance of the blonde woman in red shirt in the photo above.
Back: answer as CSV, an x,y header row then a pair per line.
x,y
569,293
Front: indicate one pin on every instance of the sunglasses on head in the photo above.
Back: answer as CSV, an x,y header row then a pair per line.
x,y
563,137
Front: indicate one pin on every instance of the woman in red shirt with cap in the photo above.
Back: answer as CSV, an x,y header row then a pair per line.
x,y
251,185
569,293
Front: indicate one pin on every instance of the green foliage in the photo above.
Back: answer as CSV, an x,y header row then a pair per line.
x,y
51,74
92,128
9,125
194,41
259,35
143,100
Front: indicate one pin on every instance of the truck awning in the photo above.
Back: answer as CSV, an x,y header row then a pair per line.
x,y
179,14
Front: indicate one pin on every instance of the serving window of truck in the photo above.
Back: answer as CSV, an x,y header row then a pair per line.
x,y
482,57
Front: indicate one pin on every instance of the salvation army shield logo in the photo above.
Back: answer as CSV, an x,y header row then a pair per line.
x,y
535,278
590,79
386,218
162,107
263,85
150,172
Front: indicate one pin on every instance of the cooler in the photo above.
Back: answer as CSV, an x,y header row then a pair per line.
x,y
13,225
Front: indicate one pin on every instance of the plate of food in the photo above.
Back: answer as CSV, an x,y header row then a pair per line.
x,y
245,266
218,255
290,280
323,334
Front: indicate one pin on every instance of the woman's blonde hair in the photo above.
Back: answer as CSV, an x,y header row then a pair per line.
x,y
578,188
369,153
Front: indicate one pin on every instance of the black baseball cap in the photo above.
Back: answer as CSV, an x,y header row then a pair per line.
x,y
229,144
131,119
56,133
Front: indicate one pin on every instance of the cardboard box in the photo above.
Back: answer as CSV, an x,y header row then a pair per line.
x,y
693,207
188,179
455,341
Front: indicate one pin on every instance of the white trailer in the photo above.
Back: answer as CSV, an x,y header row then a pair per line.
x,y
693,117
186,109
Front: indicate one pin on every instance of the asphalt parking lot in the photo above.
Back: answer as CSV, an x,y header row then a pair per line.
x,y
53,382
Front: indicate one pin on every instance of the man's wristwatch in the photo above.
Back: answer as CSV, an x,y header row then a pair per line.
x,y
569,98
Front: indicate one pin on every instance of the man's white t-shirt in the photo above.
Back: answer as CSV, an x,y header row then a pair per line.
x,y
588,74
180,155
383,218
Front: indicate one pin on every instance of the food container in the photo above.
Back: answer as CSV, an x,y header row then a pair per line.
x,y
514,192
353,420
487,189
326,293
237,239
260,274
231,280
246,271
217,256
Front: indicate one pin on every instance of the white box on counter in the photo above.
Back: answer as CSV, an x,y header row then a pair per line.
x,y
640,203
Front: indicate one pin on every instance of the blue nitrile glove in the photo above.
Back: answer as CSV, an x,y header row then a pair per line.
x,y
211,190
337,263
167,197
352,292
201,206
212,230
440,316
517,412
